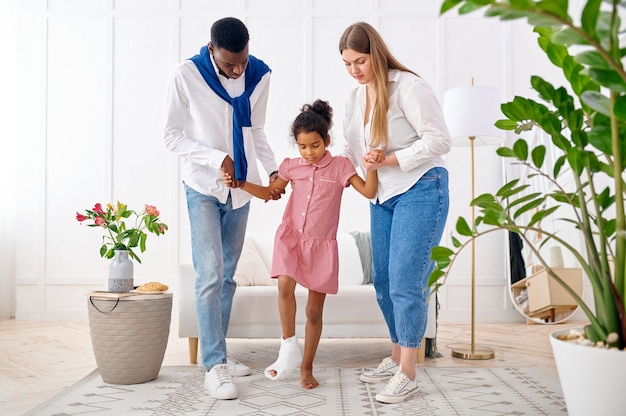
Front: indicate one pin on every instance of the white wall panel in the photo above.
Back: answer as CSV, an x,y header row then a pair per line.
x,y
414,42
402,7
276,7
74,5
141,5
76,141
141,163
284,50
524,49
221,8
474,48
31,145
346,6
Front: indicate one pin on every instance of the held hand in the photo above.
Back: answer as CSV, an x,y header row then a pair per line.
x,y
375,156
228,167
373,159
228,180
275,194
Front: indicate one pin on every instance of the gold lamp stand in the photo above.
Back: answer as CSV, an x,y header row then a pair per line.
x,y
472,352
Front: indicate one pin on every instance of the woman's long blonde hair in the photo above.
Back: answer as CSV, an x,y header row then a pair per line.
x,y
363,38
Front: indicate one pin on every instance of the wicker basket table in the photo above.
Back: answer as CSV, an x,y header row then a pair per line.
x,y
129,333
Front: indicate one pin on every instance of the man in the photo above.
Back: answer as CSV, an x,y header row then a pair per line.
x,y
215,116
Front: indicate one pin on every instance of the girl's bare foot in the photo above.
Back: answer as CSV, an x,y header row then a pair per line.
x,y
307,380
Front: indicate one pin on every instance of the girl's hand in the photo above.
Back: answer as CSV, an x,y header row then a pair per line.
x,y
373,159
228,180
375,156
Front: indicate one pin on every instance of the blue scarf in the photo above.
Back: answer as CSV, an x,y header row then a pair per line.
x,y
241,105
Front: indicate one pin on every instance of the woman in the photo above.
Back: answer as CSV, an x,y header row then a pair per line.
x,y
393,110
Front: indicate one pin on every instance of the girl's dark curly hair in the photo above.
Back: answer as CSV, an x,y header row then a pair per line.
x,y
316,117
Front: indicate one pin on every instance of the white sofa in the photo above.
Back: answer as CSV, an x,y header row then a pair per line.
x,y
352,313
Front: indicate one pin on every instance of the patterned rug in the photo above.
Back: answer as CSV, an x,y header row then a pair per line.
x,y
442,391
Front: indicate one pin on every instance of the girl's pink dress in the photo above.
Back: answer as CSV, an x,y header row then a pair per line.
x,y
305,246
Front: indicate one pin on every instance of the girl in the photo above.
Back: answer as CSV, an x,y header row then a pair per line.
x,y
305,247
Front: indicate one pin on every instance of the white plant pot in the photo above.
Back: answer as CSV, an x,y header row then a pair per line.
x,y
592,379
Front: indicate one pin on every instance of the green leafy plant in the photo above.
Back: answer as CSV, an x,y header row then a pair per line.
x,y
118,236
586,122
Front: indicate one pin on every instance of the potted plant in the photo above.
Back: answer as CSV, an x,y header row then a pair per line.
x,y
119,239
586,122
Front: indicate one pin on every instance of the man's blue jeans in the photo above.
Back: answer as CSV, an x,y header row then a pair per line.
x,y
403,231
217,235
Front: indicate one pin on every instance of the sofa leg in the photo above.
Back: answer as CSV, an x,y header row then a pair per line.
x,y
421,352
193,350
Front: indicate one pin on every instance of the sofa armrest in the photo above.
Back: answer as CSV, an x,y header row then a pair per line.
x,y
187,320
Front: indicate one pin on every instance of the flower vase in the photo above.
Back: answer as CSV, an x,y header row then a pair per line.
x,y
120,272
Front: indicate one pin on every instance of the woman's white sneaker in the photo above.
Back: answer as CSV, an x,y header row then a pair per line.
x,y
385,370
219,383
237,369
399,388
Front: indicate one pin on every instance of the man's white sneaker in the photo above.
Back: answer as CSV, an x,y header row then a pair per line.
x,y
219,384
237,369
385,370
399,388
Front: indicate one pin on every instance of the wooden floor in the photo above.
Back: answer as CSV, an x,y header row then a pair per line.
x,y
41,359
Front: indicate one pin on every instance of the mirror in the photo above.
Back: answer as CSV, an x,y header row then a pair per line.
x,y
533,292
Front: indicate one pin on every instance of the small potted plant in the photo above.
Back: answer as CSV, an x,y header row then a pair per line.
x,y
586,122
120,238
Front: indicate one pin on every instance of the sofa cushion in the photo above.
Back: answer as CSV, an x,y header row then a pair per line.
x,y
251,269
364,245
350,270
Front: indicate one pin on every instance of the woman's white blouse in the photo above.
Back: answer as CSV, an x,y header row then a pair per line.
x,y
418,134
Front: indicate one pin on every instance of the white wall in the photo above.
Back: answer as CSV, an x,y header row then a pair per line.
x,y
92,76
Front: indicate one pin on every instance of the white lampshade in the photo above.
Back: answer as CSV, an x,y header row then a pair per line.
x,y
473,111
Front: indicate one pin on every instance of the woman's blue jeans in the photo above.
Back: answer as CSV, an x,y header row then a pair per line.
x,y
404,229
217,235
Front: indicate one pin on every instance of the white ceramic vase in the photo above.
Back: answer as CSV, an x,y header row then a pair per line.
x,y
592,378
120,272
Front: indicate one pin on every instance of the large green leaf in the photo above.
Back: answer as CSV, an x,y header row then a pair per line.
x,y
620,108
509,192
462,228
557,8
538,156
505,152
589,18
540,215
568,36
609,79
506,124
593,59
600,138
520,147
525,198
529,206
448,5
597,102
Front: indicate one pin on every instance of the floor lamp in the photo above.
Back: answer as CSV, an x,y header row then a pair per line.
x,y
471,113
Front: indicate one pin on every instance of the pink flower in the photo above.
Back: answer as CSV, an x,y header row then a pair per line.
x,y
152,210
81,217
98,209
99,221
162,228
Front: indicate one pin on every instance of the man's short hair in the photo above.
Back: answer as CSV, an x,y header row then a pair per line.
x,y
230,34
